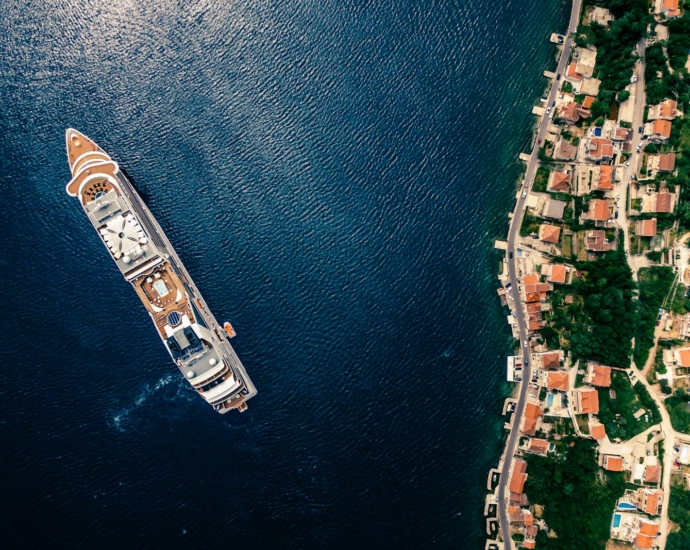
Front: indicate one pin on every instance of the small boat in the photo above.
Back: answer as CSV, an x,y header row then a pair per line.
x,y
228,328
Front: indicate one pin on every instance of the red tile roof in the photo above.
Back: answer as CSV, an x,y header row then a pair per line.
x,y
560,181
613,463
662,127
557,274
597,431
572,72
652,473
587,103
549,233
599,148
599,210
667,162
663,202
551,360
538,445
646,228
557,381
653,502
595,241
606,178
601,376
589,401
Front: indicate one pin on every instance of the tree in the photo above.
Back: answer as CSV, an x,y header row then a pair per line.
x,y
623,96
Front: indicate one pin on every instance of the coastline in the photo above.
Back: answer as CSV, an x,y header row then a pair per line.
x,y
598,292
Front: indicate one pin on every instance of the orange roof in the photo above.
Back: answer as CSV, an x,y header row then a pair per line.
x,y
557,274
670,4
599,210
551,360
653,502
560,182
549,233
597,431
648,528
662,127
685,358
613,463
642,541
589,401
531,280
600,148
667,162
646,228
587,103
533,307
663,202
572,72
557,381
529,518
517,482
652,473
538,445
532,414
601,376
529,544
606,178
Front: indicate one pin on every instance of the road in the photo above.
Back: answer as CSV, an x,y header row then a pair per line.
x,y
519,313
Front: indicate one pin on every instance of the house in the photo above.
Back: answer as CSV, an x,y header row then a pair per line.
x,y
597,430
517,480
520,516
667,162
652,473
549,233
588,101
565,150
613,463
601,16
586,61
557,381
659,131
646,228
554,209
530,420
647,532
596,241
666,110
587,401
682,357
598,212
572,112
590,86
622,134
603,177
559,181
548,360
557,273
664,202
670,9
598,149
598,375
648,500
538,446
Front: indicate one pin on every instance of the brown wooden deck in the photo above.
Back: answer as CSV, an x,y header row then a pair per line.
x,y
77,145
94,188
145,287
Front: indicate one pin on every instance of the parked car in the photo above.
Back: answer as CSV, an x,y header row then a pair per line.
x,y
548,111
633,79
524,193
510,255
538,141
558,76
640,129
627,164
524,343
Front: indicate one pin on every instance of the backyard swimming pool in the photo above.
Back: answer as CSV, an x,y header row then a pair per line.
x,y
616,520
626,506
549,400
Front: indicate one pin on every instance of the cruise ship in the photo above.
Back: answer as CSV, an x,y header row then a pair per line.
x,y
142,252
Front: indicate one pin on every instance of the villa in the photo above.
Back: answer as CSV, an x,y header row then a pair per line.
x,y
572,112
612,463
531,418
598,149
648,500
549,233
666,110
599,211
596,241
559,181
597,430
557,273
587,401
659,131
557,381
603,178
646,228
598,375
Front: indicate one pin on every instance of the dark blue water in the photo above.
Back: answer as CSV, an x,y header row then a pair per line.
x,y
333,174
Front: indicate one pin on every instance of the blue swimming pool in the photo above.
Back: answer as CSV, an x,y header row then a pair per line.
x,y
626,506
616,520
597,132
549,400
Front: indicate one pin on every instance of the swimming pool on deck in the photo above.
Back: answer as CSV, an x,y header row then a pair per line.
x,y
616,520
626,506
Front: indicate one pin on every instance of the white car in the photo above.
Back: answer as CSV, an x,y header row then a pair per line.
x,y
548,111
524,343
524,193
627,164
634,79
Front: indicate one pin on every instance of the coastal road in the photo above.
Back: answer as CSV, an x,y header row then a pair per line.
x,y
513,233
